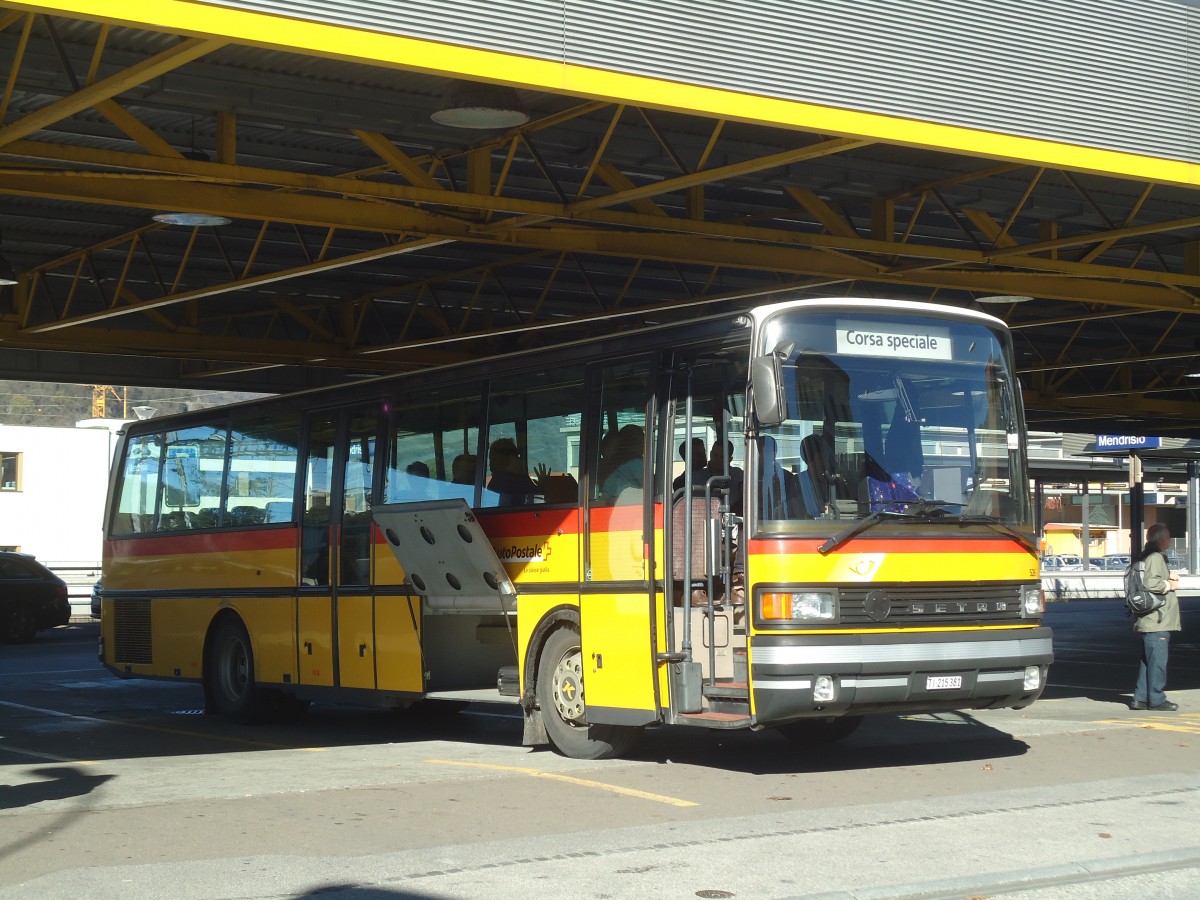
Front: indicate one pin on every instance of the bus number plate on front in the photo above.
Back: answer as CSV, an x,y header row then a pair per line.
x,y
943,682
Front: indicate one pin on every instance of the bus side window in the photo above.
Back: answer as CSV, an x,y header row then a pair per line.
x,y
138,493
432,445
261,473
533,438
616,446
357,480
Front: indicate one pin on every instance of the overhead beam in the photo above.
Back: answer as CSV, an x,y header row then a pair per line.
x,y
242,284
181,54
841,237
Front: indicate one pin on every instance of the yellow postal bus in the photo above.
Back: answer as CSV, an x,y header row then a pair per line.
x,y
790,517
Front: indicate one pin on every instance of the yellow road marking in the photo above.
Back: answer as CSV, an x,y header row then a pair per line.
x,y
582,782
1181,724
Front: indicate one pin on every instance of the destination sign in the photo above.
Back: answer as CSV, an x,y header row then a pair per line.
x,y
858,338
1126,442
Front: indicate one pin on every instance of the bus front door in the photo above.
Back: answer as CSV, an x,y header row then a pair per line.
x,y
335,621
617,608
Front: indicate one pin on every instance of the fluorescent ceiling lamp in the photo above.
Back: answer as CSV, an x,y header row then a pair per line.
x,y
1004,298
191,220
470,104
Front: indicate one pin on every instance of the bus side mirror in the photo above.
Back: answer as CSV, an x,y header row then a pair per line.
x,y
766,388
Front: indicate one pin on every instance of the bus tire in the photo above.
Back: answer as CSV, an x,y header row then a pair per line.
x,y
560,696
819,732
229,674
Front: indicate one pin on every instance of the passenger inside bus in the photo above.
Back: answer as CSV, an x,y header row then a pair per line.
x,y
717,460
624,466
510,480
462,470
699,464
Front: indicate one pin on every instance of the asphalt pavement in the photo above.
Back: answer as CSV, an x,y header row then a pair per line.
x,y
124,790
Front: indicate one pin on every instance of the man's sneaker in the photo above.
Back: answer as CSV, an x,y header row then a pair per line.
x,y
1166,706
1137,704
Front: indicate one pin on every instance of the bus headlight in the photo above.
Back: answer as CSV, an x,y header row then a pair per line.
x,y
1033,600
824,689
1033,678
797,606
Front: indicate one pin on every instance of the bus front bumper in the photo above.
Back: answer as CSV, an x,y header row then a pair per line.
x,y
795,676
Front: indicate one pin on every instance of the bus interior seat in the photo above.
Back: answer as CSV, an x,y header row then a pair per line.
x,y
176,520
695,581
559,487
246,515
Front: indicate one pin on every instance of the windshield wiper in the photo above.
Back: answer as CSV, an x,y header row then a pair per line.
x,y
913,509
998,525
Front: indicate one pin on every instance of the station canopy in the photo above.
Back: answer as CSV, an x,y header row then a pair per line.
x,y
193,199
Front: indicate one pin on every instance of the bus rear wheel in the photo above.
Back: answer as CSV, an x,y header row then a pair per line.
x,y
818,732
229,675
560,696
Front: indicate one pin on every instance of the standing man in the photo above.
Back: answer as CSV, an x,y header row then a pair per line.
x,y
1155,627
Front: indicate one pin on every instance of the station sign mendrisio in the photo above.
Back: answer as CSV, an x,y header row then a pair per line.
x,y
1126,442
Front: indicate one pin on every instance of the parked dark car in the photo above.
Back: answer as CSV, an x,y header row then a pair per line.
x,y
32,598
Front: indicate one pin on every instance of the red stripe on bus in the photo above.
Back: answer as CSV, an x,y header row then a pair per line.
x,y
538,520
534,520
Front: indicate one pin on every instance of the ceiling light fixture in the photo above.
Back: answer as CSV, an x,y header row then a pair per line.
x,y
1004,298
8,275
192,220
470,104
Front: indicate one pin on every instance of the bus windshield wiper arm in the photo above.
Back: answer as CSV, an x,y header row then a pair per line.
x,y
854,528
913,508
998,525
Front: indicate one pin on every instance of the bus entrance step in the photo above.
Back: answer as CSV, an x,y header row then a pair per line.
x,y
723,720
734,690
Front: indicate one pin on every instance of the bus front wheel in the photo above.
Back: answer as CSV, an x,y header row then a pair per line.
x,y
229,674
561,699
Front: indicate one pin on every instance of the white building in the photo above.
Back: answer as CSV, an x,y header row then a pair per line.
x,y
52,487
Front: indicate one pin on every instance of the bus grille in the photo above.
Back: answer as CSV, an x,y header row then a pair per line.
x,y
131,632
914,605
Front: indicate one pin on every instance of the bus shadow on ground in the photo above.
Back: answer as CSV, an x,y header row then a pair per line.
x,y
881,742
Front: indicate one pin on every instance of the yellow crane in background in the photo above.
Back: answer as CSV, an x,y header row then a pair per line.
x,y
100,397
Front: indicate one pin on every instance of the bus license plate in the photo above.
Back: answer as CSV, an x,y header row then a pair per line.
x,y
943,682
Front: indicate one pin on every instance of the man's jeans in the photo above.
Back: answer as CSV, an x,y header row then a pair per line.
x,y
1154,664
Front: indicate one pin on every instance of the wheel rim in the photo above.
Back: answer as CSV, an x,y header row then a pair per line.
x,y
567,686
234,669
20,623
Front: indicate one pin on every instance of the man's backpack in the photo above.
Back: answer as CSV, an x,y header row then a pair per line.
x,y
1138,600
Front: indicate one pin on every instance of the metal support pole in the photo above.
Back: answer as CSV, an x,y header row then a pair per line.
x,y
1137,504
1193,517
1039,515
1085,533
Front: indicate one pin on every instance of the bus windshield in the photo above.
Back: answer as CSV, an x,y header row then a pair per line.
x,y
892,413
